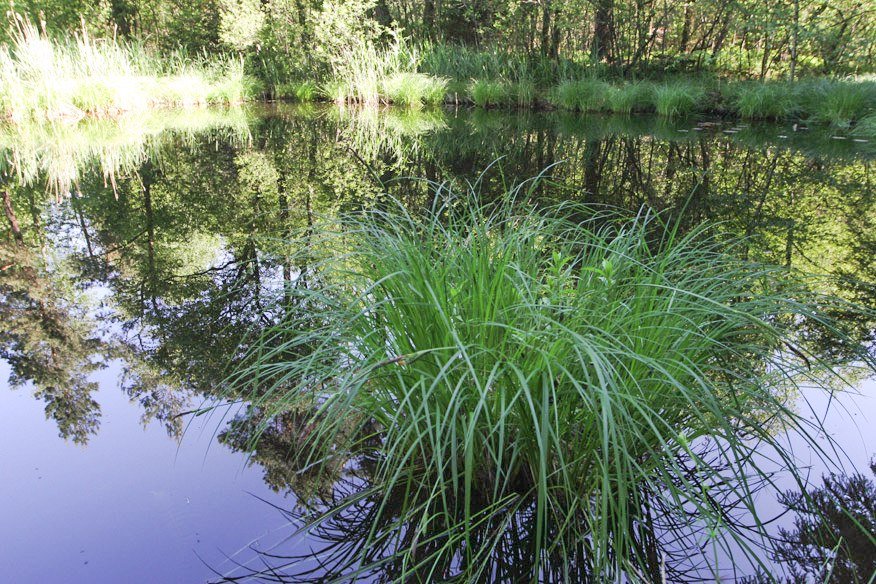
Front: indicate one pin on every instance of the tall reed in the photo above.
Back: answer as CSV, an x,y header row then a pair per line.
x,y
47,79
607,381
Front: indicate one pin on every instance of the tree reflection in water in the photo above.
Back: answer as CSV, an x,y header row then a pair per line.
x,y
185,241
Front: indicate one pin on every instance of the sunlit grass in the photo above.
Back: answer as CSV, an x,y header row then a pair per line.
x,y
631,97
587,95
49,79
838,103
489,93
605,375
414,90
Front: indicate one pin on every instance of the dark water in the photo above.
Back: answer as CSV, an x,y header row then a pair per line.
x,y
122,304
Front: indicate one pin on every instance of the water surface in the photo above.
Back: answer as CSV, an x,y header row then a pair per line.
x,y
135,257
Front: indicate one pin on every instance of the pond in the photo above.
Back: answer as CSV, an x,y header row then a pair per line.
x,y
136,258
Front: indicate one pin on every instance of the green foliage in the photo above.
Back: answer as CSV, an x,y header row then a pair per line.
x,y
866,126
839,103
631,97
523,93
46,79
241,23
489,93
303,91
414,89
769,101
566,367
587,95
678,98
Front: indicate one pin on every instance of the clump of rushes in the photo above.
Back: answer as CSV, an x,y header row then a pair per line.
x,y
45,79
632,97
678,99
303,91
838,103
489,93
866,126
523,93
414,89
764,101
607,380
585,95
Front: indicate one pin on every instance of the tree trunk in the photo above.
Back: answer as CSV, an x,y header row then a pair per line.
x,y
686,29
545,26
429,18
794,38
603,30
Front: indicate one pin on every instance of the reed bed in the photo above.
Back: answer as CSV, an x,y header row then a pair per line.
x,y
604,380
44,79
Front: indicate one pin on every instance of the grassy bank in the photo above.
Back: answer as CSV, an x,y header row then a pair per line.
x,y
411,77
602,380
44,79
844,104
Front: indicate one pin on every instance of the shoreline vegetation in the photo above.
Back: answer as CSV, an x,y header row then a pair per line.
x,y
844,104
45,79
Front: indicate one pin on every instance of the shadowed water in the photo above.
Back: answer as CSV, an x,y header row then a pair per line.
x,y
135,259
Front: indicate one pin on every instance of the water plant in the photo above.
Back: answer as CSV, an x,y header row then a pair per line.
x,y
677,99
489,93
302,91
838,103
414,89
588,95
773,101
605,381
631,97
523,93
49,79
866,126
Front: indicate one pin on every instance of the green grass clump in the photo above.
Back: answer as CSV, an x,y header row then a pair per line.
x,y
839,103
678,99
300,91
523,93
414,89
764,101
44,79
565,370
489,93
631,97
586,95
866,126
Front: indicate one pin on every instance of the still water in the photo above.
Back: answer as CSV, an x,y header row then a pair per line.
x,y
134,258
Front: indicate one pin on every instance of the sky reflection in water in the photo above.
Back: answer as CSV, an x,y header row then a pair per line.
x,y
174,255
